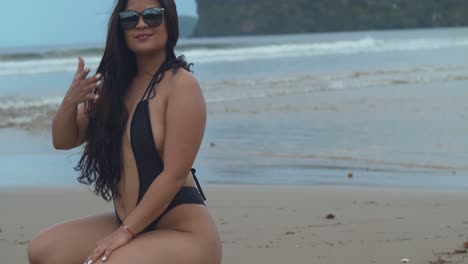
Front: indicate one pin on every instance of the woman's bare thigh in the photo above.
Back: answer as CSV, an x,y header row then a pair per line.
x,y
71,241
163,246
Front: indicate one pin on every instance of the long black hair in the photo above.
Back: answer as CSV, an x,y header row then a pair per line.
x,y
101,162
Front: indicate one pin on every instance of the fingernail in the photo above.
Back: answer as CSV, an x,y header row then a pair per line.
x,y
89,262
104,258
96,97
98,83
98,76
87,69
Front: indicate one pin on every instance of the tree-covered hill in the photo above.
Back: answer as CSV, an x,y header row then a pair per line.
x,y
243,17
187,26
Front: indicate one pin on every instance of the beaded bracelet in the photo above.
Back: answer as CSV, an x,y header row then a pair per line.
x,y
128,229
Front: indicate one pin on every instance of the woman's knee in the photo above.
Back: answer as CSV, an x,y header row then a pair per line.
x,y
70,241
39,248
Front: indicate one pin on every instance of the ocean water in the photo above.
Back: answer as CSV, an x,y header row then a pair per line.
x,y
388,107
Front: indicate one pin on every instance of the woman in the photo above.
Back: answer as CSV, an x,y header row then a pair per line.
x,y
142,119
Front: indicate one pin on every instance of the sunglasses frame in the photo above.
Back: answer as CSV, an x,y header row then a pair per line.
x,y
142,14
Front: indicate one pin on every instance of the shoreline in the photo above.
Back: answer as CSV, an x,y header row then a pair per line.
x,y
279,224
72,184
250,186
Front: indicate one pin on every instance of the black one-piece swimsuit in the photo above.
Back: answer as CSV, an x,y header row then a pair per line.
x,y
149,162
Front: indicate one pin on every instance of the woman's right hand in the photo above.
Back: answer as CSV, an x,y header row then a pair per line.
x,y
81,87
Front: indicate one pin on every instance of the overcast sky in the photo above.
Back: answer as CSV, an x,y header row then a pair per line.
x,y
56,22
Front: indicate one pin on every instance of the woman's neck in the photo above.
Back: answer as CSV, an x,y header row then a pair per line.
x,y
149,64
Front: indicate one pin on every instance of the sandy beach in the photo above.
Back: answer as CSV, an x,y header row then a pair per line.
x,y
289,118
278,224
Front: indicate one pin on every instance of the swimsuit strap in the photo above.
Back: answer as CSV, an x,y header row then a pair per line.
x,y
152,83
198,184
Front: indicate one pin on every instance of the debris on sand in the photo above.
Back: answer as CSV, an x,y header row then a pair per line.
x,y
449,255
454,252
330,216
21,242
439,261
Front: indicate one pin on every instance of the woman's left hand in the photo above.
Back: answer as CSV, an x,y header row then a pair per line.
x,y
106,246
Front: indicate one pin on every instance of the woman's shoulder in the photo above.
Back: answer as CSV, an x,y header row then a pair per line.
x,y
184,96
182,81
181,77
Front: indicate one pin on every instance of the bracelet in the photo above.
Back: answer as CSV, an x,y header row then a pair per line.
x,y
128,229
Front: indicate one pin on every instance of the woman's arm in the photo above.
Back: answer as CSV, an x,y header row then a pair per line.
x,y
71,120
69,126
185,127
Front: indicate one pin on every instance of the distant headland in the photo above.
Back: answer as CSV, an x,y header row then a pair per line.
x,y
248,17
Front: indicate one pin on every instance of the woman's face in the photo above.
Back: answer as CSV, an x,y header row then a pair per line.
x,y
144,39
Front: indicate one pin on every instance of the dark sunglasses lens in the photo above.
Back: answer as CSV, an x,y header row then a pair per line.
x,y
153,17
128,19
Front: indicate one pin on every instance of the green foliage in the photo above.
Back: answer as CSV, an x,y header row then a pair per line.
x,y
243,17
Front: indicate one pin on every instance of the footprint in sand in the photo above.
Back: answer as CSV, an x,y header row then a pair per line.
x,y
405,239
268,245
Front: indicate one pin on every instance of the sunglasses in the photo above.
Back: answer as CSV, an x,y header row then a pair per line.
x,y
152,16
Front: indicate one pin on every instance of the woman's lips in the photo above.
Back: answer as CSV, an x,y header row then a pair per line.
x,y
143,37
